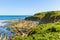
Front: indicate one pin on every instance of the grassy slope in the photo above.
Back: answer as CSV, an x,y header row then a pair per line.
x,y
48,31
43,14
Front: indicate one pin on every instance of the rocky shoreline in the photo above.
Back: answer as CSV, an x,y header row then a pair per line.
x,y
22,27
42,22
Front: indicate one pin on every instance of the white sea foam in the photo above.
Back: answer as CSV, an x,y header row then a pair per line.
x,y
2,24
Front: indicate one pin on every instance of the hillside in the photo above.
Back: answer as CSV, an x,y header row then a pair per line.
x,y
45,17
48,27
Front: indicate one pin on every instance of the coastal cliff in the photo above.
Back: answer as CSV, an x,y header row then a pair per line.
x,y
45,17
41,26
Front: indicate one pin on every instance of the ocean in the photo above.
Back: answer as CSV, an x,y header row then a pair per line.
x,y
8,17
12,17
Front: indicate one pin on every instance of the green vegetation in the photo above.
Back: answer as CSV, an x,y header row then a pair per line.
x,y
46,17
48,30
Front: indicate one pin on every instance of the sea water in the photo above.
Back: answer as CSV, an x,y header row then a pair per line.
x,y
12,17
8,17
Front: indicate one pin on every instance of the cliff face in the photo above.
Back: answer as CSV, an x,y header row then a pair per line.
x,y
45,17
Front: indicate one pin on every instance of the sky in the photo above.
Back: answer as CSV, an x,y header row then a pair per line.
x,y
27,7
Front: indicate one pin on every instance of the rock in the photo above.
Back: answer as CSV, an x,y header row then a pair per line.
x,y
0,36
22,27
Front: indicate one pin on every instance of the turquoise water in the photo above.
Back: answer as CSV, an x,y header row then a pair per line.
x,y
10,17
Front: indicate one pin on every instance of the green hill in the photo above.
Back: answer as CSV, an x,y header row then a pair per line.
x,y
47,29
45,17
